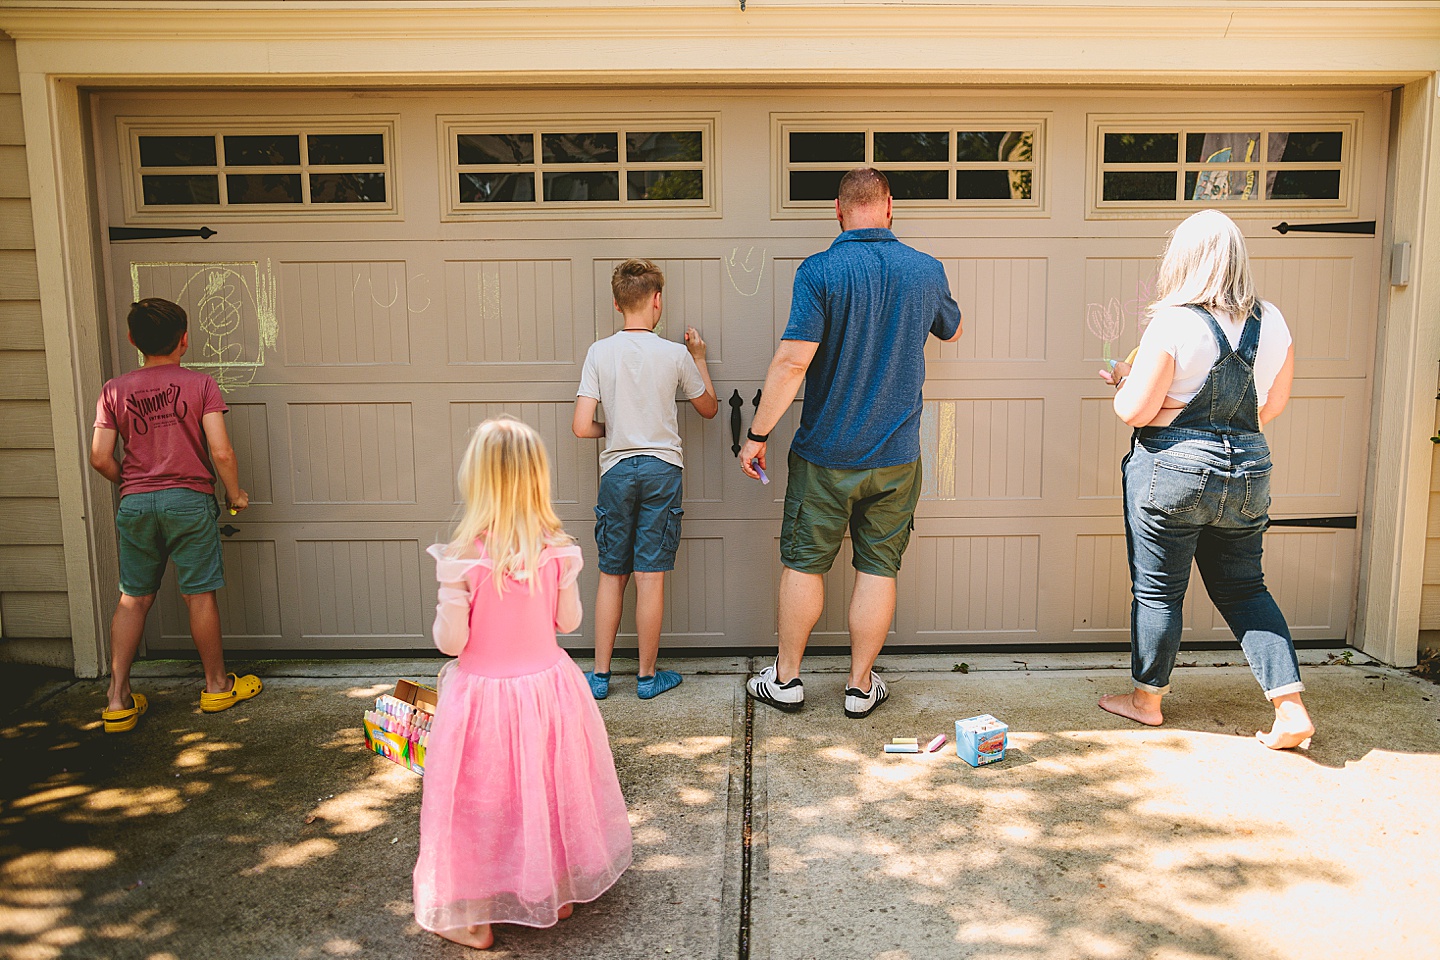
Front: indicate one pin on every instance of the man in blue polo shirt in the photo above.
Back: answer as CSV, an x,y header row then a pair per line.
x,y
861,314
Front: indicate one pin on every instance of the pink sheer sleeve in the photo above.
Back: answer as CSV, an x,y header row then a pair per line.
x,y
570,561
452,612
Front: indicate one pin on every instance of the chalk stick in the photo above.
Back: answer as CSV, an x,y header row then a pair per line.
x,y
902,748
904,739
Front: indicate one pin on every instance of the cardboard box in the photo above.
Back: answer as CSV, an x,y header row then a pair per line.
x,y
405,747
980,740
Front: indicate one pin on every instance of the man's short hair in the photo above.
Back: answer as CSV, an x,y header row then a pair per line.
x,y
862,187
634,282
156,326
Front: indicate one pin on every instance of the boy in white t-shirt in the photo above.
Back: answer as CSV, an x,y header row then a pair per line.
x,y
636,374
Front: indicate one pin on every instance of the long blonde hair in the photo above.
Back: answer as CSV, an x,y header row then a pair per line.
x,y
1206,263
505,483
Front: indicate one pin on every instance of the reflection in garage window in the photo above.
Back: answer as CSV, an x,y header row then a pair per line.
x,y
1220,164
608,167
258,170
932,166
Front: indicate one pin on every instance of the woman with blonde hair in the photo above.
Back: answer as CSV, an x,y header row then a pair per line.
x,y
522,815
1214,366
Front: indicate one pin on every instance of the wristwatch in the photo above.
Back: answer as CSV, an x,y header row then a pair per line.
x,y
758,438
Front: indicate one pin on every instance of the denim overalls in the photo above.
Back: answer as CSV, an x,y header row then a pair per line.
x,y
1200,488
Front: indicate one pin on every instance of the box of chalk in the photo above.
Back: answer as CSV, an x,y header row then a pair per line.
x,y
398,728
980,740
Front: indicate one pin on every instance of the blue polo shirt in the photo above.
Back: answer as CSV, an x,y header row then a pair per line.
x,y
870,301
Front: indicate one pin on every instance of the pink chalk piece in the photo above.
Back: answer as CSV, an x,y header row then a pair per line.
x,y
935,744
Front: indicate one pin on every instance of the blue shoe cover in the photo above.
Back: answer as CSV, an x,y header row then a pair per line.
x,y
650,687
599,684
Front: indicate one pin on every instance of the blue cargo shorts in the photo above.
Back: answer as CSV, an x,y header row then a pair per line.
x,y
637,521
176,524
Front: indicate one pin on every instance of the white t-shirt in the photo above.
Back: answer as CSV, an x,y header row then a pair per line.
x,y
635,376
1184,334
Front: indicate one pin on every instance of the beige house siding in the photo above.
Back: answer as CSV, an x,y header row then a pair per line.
x,y
34,609
1430,595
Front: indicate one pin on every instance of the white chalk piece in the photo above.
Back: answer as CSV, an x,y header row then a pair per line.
x,y
902,748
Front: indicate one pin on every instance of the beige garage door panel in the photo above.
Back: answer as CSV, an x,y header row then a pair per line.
x,y
715,488
318,586
356,367
713,599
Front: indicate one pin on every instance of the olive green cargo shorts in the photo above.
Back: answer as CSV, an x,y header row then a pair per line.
x,y
878,506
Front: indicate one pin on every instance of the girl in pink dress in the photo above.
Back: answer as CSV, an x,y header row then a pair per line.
x,y
522,814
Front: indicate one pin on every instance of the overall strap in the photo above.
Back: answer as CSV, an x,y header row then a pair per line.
x,y
1250,336
1222,342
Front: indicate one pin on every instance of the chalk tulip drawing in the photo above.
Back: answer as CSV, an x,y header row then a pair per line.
x,y
231,308
1107,322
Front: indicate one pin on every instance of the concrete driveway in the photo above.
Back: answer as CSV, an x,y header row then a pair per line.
x,y
269,831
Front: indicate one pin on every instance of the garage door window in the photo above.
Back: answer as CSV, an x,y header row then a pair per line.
x,y
1241,164
938,163
279,168
569,168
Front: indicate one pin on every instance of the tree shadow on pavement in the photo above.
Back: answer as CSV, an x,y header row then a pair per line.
x,y
1091,840
270,830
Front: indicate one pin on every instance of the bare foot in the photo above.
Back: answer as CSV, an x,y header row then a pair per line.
x,y
565,911
477,935
1131,706
1292,727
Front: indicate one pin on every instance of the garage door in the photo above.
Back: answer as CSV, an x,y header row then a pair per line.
x,y
386,272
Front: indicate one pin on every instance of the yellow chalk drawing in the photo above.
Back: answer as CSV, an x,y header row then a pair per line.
x,y
747,289
231,308
939,434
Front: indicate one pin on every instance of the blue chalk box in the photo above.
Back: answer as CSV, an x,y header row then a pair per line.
x,y
980,740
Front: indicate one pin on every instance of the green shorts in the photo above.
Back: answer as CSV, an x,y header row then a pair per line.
x,y
162,525
878,507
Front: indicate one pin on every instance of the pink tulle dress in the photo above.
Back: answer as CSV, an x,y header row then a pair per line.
x,y
522,812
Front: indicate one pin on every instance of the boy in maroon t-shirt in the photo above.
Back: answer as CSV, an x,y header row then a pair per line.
x,y
172,423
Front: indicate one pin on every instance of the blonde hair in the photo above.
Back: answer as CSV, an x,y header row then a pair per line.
x,y
1206,263
505,483
634,282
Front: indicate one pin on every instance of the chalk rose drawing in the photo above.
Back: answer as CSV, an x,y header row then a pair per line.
x,y
231,308
1107,322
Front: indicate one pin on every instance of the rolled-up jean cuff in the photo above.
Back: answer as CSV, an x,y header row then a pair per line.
x,y
1281,691
1151,688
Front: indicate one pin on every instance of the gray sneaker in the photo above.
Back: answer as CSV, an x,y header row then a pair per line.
x,y
859,704
788,696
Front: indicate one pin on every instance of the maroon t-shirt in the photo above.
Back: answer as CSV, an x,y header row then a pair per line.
x,y
157,412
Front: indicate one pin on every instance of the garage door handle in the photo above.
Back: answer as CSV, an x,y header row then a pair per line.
x,y
1366,227
736,403
229,531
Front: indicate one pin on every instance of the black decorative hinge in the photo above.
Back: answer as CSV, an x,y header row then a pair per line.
x,y
1365,227
157,233
229,531
1337,523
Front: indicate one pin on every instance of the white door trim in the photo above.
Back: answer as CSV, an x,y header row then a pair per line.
x,y
1397,487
